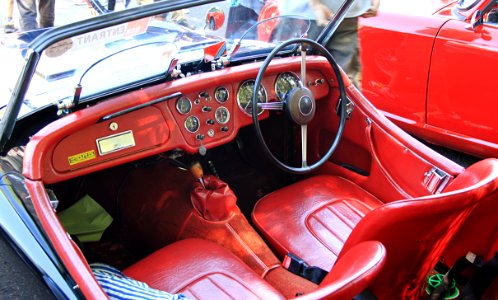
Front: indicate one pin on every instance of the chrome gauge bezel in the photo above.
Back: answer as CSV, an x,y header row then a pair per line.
x,y
216,115
221,88
250,81
279,77
198,124
177,105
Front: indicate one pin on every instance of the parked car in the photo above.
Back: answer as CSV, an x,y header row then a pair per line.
x,y
141,158
424,61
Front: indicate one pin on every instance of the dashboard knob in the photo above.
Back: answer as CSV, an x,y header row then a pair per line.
x,y
210,121
224,129
206,108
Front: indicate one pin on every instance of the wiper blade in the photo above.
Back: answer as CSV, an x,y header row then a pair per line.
x,y
64,108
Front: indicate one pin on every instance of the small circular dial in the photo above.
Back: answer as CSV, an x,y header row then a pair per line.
x,y
222,115
284,83
244,96
192,124
221,94
183,105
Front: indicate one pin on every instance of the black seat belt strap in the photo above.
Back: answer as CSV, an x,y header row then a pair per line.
x,y
298,266
477,285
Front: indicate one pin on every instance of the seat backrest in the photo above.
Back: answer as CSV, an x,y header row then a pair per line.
x,y
352,273
416,231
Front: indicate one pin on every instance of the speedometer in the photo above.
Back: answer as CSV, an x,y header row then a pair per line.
x,y
244,96
285,83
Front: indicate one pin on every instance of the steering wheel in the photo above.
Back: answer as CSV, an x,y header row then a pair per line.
x,y
299,105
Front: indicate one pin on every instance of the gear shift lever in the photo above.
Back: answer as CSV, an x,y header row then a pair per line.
x,y
211,197
198,172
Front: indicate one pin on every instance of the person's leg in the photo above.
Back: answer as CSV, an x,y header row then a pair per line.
x,y
344,45
27,12
355,68
111,5
47,13
8,22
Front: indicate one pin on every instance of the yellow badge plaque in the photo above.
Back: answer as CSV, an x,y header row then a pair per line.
x,y
81,157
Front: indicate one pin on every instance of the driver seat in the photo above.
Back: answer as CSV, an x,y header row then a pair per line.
x,y
320,218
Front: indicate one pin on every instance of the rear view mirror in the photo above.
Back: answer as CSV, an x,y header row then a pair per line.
x,y
215,17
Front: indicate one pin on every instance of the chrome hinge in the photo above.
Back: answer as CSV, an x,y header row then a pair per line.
x,y
53,199
436,180
349,107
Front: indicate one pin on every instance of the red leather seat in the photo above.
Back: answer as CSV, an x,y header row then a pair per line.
x,y
321,218
203,270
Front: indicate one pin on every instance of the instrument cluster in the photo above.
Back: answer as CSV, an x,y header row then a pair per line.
x,y
209,115
205,116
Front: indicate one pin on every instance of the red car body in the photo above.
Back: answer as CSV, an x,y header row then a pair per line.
x,y
430,72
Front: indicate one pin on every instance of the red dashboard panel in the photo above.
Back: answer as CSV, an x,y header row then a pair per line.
x,y
146,127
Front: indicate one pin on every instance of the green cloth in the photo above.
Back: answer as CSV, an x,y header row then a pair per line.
x,y
85,219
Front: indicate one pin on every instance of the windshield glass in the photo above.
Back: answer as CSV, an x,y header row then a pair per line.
x,y
108,59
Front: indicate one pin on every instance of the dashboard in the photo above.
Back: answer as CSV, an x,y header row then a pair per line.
x,y
191,114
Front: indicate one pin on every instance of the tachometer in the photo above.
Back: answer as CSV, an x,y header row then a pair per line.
x,y
284,83
244,96
192,124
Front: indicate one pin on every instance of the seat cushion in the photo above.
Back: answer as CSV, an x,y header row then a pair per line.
x,y
313,218
201,269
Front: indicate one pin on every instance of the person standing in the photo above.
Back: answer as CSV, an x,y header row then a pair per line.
x,y
344,44
29,10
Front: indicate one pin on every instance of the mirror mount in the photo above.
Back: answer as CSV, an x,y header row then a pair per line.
x,y
477,22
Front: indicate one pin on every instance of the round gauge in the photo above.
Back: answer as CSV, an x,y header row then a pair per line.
x,y
222,115
192,124
221,94
284,83
183,105
244,96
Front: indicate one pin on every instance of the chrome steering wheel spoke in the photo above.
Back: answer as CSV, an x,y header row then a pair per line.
x,y
271,105
303,64
304,142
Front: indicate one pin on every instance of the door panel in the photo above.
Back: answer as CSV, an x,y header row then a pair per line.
x,y
395,54
462,95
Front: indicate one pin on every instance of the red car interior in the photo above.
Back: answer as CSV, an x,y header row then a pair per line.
x,y
378,215
216,272
320,216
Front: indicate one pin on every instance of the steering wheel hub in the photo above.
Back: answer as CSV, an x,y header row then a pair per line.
x,y
301,105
